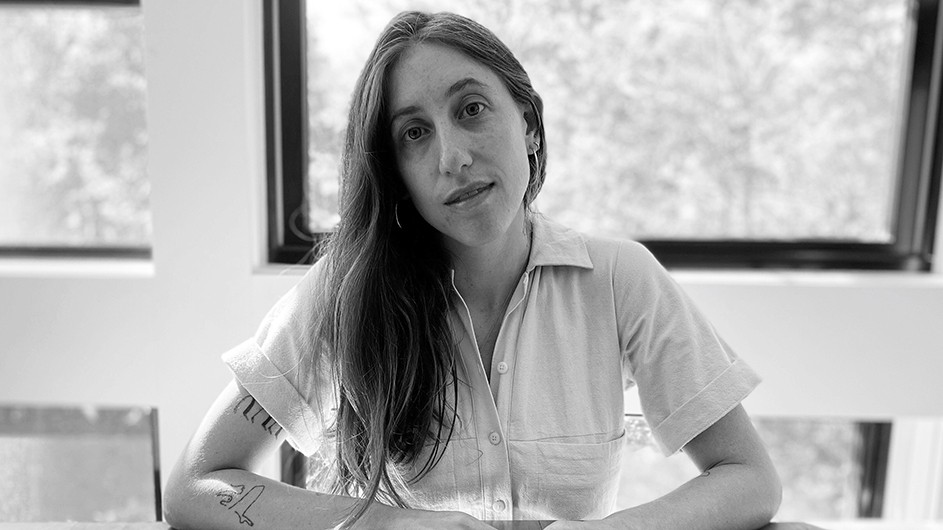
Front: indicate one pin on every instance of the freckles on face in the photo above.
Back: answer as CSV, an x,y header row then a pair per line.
x,y
460,142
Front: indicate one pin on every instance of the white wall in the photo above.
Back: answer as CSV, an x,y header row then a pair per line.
x,y
868,345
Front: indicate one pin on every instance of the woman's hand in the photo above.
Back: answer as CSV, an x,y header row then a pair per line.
x,y
445,521
601,524
398,518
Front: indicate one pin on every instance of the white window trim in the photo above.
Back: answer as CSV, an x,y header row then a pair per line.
x,y
915,471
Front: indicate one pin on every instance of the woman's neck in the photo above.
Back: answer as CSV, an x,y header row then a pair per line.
x,y
485,275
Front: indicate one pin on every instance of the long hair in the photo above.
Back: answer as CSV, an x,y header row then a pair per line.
x,y
388,279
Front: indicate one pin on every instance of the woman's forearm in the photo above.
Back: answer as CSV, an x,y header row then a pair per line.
x,y
235,498
729,497
239,499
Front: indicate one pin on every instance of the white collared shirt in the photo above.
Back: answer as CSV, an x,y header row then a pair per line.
x,y
588,319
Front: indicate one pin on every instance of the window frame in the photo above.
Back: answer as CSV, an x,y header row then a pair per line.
x,y
915,200
286,134
135,252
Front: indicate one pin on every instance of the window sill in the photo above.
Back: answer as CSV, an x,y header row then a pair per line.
x,y
12,267
790,278
280,269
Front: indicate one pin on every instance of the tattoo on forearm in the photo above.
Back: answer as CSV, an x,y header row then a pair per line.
x,y
253,409
245,500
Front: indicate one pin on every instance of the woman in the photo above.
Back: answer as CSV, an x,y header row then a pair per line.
x,y
462,358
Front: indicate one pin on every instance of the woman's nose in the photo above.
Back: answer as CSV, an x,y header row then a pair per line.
x,y
454,155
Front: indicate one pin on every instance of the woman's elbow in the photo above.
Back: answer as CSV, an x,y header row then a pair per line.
x,y
179,494
770,493
174,505
174,514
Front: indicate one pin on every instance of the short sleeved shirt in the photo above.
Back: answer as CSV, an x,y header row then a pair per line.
x,y
589,318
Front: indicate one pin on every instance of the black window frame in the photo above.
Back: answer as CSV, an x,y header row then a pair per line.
x,y
915,206
286,133
134,252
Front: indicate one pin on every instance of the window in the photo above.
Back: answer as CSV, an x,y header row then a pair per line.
x,y
735,134
50,454
721,134
73,141
831,469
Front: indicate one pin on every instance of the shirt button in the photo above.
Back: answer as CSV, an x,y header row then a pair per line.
x,y
502,367
499,505
494,438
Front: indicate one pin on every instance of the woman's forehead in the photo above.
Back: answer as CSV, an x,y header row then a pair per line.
x,y
428,73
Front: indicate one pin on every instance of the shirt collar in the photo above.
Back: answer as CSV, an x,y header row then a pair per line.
x,y
555,244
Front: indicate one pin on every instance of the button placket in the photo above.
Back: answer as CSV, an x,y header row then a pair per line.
x,y
502,366
495,465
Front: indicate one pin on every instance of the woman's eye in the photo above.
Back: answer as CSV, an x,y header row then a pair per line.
x,y
473,109
413,133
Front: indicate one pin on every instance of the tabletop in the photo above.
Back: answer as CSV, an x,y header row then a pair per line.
x,y
500,525
503,525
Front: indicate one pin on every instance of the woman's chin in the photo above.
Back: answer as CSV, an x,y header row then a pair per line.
x,y
483,235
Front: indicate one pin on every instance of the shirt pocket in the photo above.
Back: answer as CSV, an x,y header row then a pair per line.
x,y
569,481
453,484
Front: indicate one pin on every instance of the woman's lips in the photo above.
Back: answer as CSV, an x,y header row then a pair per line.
x,y
469,194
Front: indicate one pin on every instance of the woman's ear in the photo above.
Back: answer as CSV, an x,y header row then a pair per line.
x,y
531,134
532,141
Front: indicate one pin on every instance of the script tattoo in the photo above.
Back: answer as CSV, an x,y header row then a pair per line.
x,y
271,426
244,502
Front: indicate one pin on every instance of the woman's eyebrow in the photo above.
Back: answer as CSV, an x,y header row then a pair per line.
x,y
456,87
464,83
405,111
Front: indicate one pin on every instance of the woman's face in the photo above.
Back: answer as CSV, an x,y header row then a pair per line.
x,y
460,142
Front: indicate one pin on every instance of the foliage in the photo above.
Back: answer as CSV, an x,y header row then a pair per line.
x,y
691,119
72,134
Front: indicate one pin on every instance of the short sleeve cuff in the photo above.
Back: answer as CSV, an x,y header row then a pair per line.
x,y
712,403
274,392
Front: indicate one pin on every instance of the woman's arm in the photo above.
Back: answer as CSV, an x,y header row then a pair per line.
x,y
212,485
737,489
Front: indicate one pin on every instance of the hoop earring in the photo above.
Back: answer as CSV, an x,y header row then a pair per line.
x,y
396,215
536,158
